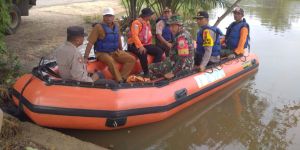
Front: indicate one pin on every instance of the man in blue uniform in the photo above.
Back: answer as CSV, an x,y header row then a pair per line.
x,y
164,35
208,42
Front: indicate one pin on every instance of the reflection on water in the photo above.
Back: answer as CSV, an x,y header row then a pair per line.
x,y
261,113
231,119
196,125
275,14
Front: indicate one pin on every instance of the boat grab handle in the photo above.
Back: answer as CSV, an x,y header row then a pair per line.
x,y
180,93
115,122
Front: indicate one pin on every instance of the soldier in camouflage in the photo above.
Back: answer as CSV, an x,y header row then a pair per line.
x,y
181,54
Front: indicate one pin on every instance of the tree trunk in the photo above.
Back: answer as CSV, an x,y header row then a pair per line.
x,y
168,4
133,9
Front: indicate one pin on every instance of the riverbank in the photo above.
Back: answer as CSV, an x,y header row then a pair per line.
x,y
38,36
44,29
16,135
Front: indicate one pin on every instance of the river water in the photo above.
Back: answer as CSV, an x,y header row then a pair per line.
x,y
260,112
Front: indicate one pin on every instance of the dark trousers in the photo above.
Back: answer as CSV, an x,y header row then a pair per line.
x,y
198,58
151,50
165,48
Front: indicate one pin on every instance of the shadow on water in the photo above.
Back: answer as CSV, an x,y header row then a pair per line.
x,y
230,119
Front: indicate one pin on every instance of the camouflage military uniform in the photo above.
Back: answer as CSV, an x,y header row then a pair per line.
x,y
181,57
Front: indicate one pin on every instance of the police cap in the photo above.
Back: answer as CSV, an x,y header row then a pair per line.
x,y
73,31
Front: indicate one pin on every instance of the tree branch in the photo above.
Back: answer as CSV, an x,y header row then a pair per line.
x,y
227,12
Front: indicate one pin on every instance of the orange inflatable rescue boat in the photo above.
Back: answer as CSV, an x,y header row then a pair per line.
x,y
52,102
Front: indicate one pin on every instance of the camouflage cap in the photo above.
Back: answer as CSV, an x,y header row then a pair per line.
x,y
175,19
167,9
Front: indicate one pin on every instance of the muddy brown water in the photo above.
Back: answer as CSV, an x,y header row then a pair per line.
x,y
261,111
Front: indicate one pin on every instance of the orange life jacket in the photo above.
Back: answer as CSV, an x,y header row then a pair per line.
x,y
145,34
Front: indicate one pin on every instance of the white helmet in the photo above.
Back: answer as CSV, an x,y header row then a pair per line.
x,y
108,11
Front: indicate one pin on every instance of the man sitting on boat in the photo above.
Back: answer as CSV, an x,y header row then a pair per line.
x,y
69,60
237,35
106,39
208,42
164,35
140,40
181,54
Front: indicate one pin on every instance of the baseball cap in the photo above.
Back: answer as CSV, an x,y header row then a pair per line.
x,y
201,14
108,11
147,12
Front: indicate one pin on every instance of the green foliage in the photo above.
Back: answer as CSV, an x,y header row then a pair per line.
x,y
92,19
186,7
4,15
9,68
4,22
9,64
133,7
